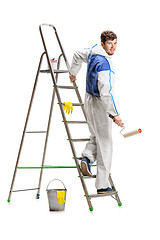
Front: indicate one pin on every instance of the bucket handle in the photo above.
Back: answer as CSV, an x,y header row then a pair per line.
x,y
54,180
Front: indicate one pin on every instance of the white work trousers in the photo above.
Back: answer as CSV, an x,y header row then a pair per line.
x,y
100,145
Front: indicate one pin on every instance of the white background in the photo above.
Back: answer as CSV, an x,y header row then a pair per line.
x,y
135,169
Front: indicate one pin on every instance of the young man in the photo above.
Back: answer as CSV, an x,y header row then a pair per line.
x,y
99,106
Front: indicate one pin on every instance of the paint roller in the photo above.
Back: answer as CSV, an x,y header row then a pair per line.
x,y
129,133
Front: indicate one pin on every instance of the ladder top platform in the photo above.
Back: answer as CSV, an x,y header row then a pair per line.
x,y
55,71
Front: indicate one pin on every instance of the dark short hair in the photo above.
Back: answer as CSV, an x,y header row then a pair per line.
x,y
108,35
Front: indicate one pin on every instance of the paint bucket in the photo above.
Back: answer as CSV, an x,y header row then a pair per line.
x,y
53,63
56,203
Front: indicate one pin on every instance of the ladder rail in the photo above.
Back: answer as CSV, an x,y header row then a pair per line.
x,y
113,186
25,127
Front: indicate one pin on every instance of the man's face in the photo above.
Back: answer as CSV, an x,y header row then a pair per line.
x,y
110,46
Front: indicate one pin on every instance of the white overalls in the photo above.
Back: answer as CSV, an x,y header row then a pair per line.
x,y
98,109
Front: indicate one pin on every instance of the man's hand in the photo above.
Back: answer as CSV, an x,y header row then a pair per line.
x,y
72,78
118,121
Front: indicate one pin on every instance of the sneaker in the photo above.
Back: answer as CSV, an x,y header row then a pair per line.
x,y
104,190
85,167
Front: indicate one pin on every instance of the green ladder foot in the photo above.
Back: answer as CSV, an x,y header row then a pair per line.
x,y
8,200
91,209
119,204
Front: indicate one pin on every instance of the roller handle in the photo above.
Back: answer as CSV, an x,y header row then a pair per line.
x,y
111,116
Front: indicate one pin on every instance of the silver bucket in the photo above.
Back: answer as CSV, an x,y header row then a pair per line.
x,y
52,198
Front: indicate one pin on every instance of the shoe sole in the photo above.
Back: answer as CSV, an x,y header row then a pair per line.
x,y
104,192
84,169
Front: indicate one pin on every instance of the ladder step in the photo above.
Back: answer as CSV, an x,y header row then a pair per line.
x,y
72,122
67,87
55,71
78,104
87,177
25,190
75,104
80,158
36,132
80,140
103,194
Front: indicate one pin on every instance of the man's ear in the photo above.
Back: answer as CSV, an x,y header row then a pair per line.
x,y
102,44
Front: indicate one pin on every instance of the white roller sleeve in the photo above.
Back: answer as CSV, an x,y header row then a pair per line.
x,y
131,133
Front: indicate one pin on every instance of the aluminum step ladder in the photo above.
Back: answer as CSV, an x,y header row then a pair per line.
x,y
54,76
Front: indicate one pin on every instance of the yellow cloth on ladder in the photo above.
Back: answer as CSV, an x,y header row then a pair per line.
x,y
68,107
60,197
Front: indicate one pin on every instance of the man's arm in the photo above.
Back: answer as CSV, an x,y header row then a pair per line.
x,y
78,58
106,94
